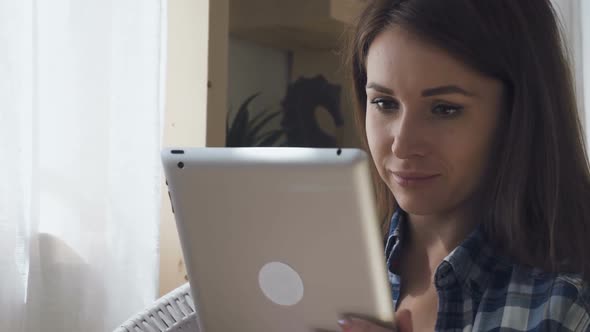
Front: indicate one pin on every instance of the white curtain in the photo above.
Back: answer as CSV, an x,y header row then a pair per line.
x,y
584,46
577,33
80,117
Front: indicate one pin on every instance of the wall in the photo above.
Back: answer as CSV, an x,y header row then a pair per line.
x,y
196,102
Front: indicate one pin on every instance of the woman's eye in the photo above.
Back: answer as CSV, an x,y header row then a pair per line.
x,y
385,104
446,110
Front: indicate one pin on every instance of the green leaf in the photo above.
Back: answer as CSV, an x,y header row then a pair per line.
x,y
264,119
258,116
270,138
237,133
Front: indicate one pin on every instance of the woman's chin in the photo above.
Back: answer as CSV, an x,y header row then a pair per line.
x,y
420,207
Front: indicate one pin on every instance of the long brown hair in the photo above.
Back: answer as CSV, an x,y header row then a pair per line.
x,y
535,201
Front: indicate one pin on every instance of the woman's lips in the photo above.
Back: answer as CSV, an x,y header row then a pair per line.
x,y
408,179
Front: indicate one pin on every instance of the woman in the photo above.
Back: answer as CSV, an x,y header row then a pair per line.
x,y
468,111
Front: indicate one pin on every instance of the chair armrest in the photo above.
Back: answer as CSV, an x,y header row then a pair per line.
x,y
174,311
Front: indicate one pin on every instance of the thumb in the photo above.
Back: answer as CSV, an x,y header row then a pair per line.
x,y
403,321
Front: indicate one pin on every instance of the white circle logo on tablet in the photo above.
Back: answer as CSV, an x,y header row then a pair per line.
x,y
280,283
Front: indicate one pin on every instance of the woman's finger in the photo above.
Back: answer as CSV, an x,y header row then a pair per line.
x,y
354,324
403,323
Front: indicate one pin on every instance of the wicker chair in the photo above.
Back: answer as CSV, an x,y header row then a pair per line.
x,y
173,312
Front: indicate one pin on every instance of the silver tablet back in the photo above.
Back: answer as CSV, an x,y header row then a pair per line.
x,y
278,239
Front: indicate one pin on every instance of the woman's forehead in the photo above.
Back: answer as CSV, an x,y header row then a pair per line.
x,y
397,58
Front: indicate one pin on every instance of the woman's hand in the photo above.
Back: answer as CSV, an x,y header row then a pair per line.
x,y
403,323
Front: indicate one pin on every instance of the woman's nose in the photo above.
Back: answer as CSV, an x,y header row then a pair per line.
x,y
408,137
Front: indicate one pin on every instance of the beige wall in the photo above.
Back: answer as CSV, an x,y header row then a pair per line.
x,y
218,72
196,88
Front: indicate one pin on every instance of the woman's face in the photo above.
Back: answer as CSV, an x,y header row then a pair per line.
x,y
430,123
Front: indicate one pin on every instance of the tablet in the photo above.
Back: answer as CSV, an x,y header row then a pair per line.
x,y
278,239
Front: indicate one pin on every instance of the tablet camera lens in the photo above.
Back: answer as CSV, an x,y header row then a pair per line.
x,y
181,165
339,151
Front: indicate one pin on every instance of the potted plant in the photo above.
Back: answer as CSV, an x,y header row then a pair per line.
x,y
247,130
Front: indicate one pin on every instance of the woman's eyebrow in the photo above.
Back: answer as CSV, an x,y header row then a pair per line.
x,y
446,89
440,90
379,88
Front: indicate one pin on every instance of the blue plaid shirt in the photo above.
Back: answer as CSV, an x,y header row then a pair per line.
x,y
479,290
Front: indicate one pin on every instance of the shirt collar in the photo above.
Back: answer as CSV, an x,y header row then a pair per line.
x,y
394,240
474,262
471,264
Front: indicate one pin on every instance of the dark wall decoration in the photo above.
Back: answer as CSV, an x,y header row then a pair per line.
x,y
298,127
